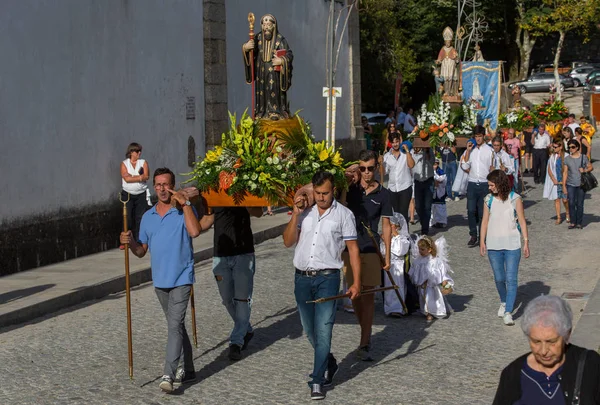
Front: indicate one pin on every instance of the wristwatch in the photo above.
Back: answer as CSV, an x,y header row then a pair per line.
x,y
188,203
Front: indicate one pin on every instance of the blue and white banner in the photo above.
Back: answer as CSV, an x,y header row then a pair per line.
x,y
481,87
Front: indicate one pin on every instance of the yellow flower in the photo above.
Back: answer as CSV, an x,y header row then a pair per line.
x,y
212,156
247,123
323,155
263,177
337,159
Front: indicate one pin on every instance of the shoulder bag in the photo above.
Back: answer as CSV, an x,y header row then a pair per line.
x,y
577,389
588,180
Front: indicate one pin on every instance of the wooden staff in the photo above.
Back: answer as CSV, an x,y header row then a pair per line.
x,y
127,294
382,260
193,305
251,34
347,295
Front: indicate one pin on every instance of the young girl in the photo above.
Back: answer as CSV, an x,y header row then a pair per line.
x,y
553,189
429,272
399,248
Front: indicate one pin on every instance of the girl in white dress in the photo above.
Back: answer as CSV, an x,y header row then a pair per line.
x,y
399,248
429,272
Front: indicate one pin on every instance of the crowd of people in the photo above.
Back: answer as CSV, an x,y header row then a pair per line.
x,y
357,236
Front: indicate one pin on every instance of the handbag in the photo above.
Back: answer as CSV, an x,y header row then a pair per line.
x,y
588,180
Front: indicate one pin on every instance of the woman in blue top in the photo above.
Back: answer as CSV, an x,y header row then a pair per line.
x,y
553,186
575,165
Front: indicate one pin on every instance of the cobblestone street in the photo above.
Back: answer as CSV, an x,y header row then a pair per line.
x,y
79,356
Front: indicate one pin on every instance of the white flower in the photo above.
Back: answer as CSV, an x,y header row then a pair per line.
x,y
450,136
246,177
254,176
275,160
279,167
278,149
207,171
270,160
315,165
283,175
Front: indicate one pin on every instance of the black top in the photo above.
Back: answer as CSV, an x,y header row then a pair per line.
x,y
233,235
367,209
510,390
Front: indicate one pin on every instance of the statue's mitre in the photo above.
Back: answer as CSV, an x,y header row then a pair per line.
x,y
448,34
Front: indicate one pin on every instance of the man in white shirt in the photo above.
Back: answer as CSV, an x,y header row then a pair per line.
x,y
541,143
397,163
409,122
321,233
477,162
572,124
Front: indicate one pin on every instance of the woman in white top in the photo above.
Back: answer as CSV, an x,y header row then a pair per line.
x,y
134,174
501,228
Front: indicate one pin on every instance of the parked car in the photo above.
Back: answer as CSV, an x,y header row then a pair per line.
x,y
594,73
375,118
593,85
579,74
541,82
549,68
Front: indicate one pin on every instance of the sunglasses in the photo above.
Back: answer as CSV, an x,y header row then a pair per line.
x,y
556,146
572,147
366,168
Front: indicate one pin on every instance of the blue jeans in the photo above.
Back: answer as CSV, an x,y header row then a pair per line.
x,y
317,319
476,192
576,197
423,201
450,168
505,264
235,279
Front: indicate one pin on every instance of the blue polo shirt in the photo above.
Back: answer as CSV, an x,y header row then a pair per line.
x,y
170,245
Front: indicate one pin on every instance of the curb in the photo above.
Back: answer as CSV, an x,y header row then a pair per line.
x,y
586,333
111,286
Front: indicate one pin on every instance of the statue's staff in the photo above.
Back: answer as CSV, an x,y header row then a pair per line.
x,y
347,295
127,294
382,260
252,80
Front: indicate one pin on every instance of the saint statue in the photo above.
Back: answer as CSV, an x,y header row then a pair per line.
x,y
272,70
478,55
448,59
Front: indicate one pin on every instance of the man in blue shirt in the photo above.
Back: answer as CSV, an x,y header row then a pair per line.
x,y
167,230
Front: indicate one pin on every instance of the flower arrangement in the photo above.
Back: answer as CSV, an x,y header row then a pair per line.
x,y
551,111
270,167
436,122
468,121
517,118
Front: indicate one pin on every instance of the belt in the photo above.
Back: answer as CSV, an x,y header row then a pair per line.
x,y
316,272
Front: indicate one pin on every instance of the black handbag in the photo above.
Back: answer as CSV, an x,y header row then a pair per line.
x,y
588,180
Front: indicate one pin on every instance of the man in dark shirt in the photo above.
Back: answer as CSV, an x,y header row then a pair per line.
x,y
369,201
233,267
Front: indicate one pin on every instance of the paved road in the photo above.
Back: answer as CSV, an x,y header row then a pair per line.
x,y
79,356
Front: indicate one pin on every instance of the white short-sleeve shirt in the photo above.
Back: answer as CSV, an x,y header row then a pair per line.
x,y
323,238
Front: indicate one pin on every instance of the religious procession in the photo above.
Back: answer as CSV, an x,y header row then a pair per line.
x,y
306,249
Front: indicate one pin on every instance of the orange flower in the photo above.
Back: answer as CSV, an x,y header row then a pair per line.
x,y
238,164
441,134
433,128
226,180
444,125
446,130
423,134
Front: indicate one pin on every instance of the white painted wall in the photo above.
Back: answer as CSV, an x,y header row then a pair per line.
x,y
79,81
303,23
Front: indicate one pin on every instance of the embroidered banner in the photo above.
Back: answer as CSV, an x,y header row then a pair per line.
x,y
481,87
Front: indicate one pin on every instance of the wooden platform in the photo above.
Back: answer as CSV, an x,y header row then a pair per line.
x,y
419,143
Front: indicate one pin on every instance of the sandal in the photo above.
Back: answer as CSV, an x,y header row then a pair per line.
x,y
568,220
558,221
571,226
429,318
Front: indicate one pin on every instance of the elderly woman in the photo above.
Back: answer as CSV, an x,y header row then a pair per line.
x,y
547,375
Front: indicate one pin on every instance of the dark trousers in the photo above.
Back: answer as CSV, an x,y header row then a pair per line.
x,y
476,192
576,197
136,207
401,201
540,161
423,201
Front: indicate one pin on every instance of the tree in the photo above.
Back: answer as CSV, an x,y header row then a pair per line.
x,y
531,24
566,16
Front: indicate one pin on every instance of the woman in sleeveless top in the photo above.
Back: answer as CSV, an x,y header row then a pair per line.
x,y
134,174
502,225
585,145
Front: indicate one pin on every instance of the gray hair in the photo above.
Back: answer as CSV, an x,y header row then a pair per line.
x,y
548,311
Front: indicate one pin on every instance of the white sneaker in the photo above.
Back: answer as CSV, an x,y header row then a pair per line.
x,y
448,199
502,309
456,198
166,383
508,321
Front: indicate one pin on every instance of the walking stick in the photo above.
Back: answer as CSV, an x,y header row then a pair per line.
x,y
127,294
193,305
251,34
347,295
382,260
